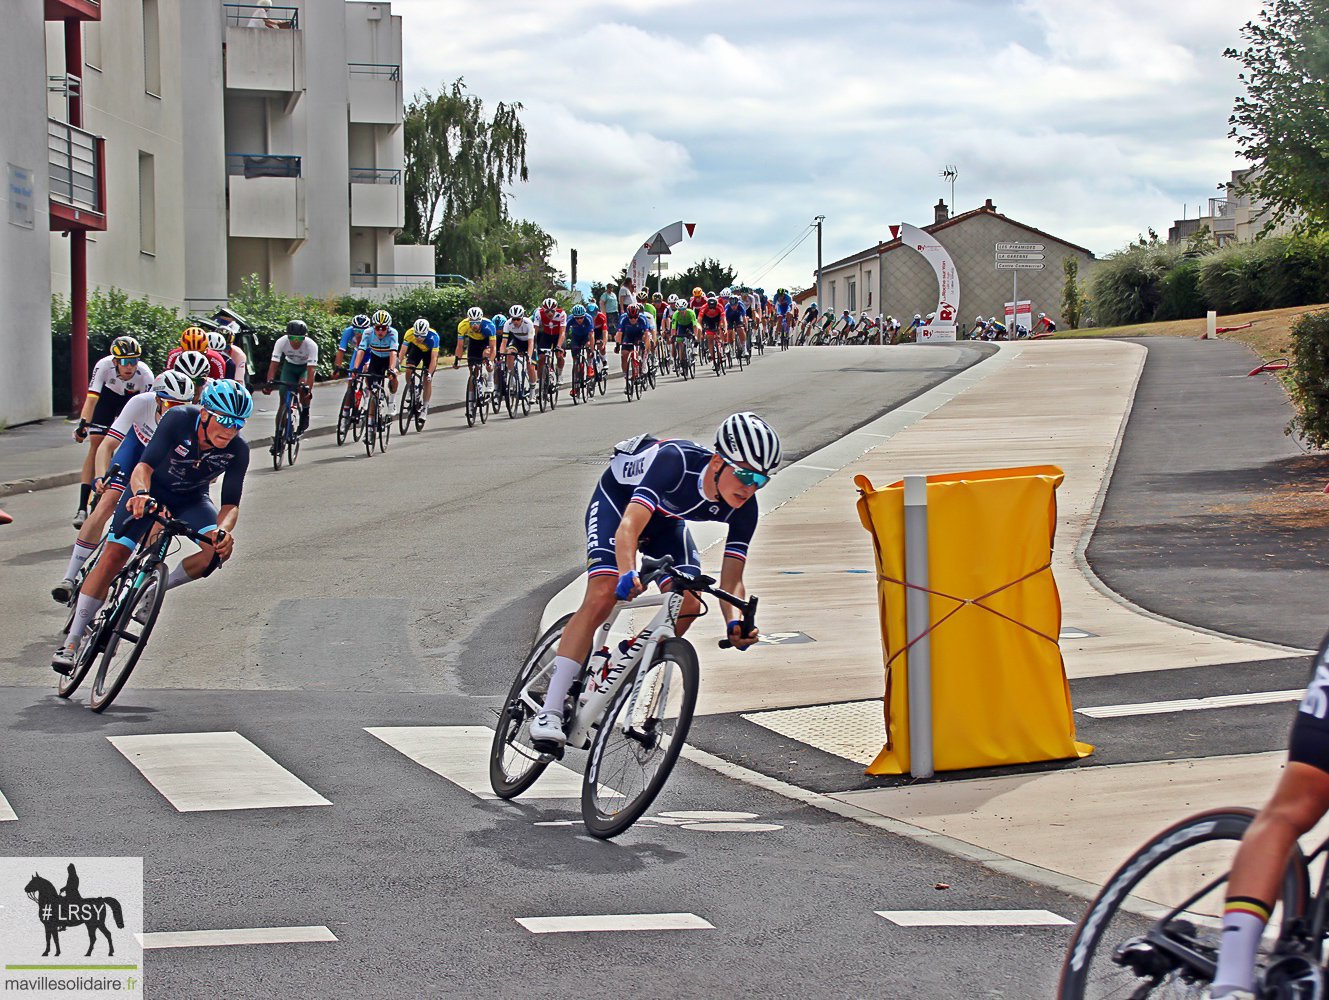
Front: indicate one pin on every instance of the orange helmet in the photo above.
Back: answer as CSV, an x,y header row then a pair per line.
x,y
697,292
194,339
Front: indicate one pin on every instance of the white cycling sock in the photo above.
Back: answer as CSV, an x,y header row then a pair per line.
x,y
177,577
80,555
83,612
565,672
1236,951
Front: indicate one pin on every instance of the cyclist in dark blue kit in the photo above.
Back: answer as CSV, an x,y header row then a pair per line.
x,y
192,446
645,498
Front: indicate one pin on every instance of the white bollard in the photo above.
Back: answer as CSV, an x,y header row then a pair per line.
x,y
1210,326
917,622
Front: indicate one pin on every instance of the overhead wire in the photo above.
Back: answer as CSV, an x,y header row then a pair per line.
x,y
767,263
762,273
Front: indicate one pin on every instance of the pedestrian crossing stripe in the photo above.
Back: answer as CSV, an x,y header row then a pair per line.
x,y
6,813
1192,704
461,755
973,918
201,772
240,935
616,922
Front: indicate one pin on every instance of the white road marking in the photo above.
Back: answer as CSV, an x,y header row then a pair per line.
x,y
6,812
1191,704
199,772
706,815
973,918
815,468
616,922
461,754
241,935
723,827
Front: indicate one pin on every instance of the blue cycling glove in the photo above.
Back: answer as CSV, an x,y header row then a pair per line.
x,y
625,583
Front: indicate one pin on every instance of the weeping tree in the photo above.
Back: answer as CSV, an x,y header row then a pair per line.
x,y
459,162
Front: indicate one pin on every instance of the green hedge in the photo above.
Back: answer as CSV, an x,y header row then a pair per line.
x,y
1309,378
112,313
1156,281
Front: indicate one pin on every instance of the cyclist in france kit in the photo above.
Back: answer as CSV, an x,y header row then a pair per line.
x,y
192,446
650,491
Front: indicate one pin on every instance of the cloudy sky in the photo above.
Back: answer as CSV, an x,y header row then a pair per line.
x,y
1091,120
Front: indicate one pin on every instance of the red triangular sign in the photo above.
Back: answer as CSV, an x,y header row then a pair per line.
x,y
895,232
689,226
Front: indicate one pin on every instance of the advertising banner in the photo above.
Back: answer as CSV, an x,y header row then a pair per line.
x,y
642,263
1021,313
941,327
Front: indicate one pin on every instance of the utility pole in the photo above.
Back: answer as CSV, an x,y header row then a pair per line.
x,y
573,283
821,299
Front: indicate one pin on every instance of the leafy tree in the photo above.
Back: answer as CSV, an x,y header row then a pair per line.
x,y
458,165
1280,124
1072,298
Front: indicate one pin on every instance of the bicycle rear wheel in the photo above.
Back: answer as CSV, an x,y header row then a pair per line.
x,y
602,373
514,763
1157,922
129,632
639,740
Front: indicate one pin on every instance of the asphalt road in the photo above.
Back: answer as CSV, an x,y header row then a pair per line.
x,y
400,590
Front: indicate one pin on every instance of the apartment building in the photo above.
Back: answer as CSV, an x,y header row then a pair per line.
x,y
1237,217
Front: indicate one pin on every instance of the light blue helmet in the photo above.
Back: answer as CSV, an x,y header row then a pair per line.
x,y
229,400
592,309
578,311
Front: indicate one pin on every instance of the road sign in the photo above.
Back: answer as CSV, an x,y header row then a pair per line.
x,y
1019,247
658,247
1019,265
1019,256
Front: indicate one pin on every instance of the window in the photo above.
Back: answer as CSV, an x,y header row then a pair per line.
x,y
831,304
152,55
92,44
147,204
850,294
868,285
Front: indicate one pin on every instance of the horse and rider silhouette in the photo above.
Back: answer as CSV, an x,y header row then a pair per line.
x,y
64,909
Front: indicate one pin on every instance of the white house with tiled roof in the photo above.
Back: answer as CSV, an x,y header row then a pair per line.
x,y
893,279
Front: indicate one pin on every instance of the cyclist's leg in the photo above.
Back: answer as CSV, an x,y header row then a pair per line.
x,y
428,376
1299,801
671,537
202,517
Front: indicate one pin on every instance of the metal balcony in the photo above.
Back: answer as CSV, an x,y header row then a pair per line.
x,y
377,200
265,196
265,49
78,177
375,93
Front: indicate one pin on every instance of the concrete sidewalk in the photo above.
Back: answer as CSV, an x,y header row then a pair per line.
x,y
1059,402
43,454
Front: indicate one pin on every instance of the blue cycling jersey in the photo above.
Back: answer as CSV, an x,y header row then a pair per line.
x,y
665,477
734,312
380,345
580,330
181,468
629,325
349,338
783,303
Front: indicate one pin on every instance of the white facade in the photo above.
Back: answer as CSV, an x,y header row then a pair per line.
x,y
231,152
25,261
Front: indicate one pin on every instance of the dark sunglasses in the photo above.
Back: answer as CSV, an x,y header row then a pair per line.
x,y
748,477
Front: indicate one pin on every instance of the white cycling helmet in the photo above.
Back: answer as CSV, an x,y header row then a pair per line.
x,y
382,318
549,304
746,438
193,364
217,342
475,314
175,386
517,312
422,327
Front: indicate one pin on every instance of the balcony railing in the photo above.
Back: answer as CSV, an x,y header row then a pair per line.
x,y
384,71
261,165
360,279
77,160
252,15
375,175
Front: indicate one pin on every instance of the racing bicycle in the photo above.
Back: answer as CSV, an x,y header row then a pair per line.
x,y
631,711
286,436
413,409
120,630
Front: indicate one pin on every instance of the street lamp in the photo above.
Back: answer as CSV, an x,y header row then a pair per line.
x,y
821,301
949,173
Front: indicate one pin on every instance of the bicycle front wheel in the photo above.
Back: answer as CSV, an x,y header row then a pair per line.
x,y
128,636
1154,929
384,425
514,763
639,740
292,443
472,401
344,421
409,404
279,442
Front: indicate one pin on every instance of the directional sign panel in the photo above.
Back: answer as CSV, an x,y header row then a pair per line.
x,y
1019,247
1019,265
1019,256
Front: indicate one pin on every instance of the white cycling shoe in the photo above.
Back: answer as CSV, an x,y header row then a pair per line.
x,y
547,727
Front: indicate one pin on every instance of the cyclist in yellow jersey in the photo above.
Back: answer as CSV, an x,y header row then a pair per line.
x,y
421,343
478,338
